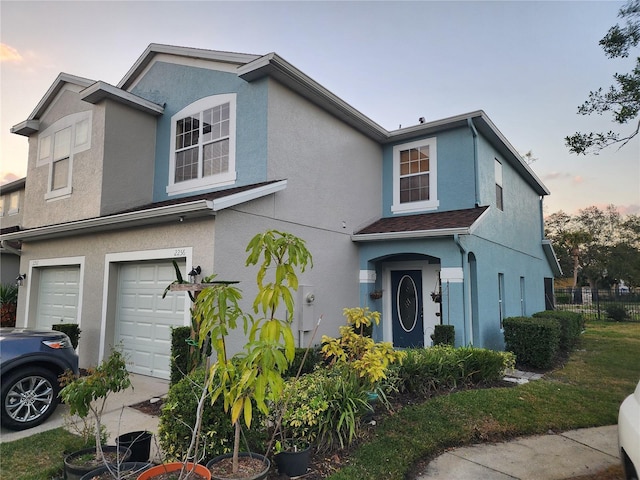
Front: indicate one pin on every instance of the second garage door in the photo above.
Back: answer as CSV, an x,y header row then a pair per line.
x,y
144,318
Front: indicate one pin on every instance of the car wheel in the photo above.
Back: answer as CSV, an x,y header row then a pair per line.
x,y
29,396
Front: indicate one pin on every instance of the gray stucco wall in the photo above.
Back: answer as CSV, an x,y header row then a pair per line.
x,y
128,162
84,202
197,234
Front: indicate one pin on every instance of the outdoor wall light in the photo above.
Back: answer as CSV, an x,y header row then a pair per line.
x,y
20,279
194,274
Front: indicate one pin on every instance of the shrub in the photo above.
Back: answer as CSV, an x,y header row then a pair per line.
x,y
425,371
571,326
179,353
179,413
443,335
616,313
534,341
325,407
8,304
313,358
72,330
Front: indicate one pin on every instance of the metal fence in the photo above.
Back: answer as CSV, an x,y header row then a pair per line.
x,y
600,304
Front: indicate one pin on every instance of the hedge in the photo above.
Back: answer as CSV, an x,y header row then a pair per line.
x,y
534,341
571,327
425,371
443,335
72,330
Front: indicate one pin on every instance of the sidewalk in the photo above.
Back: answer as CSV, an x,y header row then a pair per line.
x,y
543,457
118,415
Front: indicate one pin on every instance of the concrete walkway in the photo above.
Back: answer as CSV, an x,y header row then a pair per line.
x,y
543,457
118,415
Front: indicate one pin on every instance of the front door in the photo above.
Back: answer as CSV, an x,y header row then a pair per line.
x,y
407,314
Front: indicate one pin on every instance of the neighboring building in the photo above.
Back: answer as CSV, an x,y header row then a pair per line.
x,y
195,151
11,212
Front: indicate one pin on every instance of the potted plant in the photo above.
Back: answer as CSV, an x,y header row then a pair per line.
x,y
292,456
87,395
252,378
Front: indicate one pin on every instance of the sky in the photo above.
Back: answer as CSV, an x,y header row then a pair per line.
x,y
528,65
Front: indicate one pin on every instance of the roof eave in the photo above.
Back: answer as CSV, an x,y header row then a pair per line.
x,y
155,48
151,216
26,128
102,91
377,237
552,258
276,67
243,197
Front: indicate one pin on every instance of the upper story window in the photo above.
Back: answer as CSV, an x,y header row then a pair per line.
x,y
498,174
415,176
57,146
10,204
203,145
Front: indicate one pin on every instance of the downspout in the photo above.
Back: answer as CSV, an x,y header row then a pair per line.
x,y
465,278
541,217
474,132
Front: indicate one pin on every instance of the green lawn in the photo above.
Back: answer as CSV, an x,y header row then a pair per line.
x,y
586,392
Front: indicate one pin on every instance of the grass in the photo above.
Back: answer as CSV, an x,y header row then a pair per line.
x,y
586,392
38,457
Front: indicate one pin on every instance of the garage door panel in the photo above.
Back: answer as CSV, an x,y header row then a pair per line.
x,y
58,294
144,318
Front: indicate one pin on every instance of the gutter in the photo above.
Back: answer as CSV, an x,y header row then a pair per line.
x,y
5,247
445,232
169,213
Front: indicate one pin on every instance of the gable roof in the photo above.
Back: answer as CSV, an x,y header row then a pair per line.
x,y
436,224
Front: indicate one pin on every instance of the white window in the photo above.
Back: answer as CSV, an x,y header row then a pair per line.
x,y
498,173
14,203
203,145
501,309
415,177
57,146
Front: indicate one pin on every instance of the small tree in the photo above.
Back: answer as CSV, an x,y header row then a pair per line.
x,y
88,394
255,375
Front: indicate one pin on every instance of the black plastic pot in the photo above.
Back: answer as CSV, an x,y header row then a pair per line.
x,y
293,463
260,476
127,470
73,470
139,443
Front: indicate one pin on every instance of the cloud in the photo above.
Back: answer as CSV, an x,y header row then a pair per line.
x,y
629,209
9,54
8,178
575,179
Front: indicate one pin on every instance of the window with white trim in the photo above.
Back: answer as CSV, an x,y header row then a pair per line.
x,y
415,186
498,174
203,145
57,146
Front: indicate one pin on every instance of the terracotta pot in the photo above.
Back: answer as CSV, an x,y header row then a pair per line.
x,y
129,470
173,467
259,476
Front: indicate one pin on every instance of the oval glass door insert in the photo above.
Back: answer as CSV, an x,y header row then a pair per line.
x,y
407,303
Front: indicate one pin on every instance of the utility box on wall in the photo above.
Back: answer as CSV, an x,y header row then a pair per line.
x,y
306,308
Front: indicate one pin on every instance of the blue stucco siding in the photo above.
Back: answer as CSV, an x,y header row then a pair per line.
x,y
455,170
177,86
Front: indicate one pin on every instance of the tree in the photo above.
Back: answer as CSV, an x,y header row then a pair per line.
x,y
599,246
621,99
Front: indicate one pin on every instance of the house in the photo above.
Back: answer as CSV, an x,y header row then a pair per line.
x,y
195,151
11,210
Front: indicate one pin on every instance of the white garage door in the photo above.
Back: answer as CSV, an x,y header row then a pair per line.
x,y
144,318
58,293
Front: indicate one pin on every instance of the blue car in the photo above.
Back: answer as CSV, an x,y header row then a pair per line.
x,y
30,363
